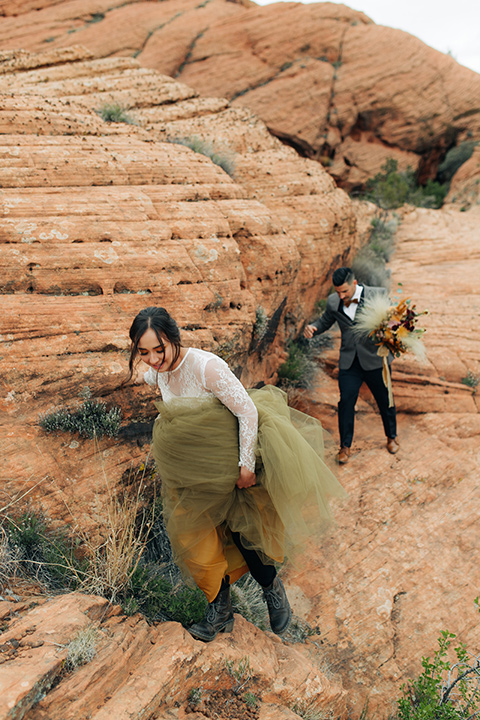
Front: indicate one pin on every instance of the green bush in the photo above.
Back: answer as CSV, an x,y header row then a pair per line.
x,y
154,595
391,189
369,265
382,234
454,159
300,368
370,268
91,419
205,147
40,552
444,690
471,380
113,112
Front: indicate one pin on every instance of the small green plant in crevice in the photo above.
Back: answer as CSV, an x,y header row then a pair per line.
x,y
195,696
115,113
445,690
393,188
91,419
250,700
307,710
240,675
471,380
96,17
82,649
300,368
261,324
205,147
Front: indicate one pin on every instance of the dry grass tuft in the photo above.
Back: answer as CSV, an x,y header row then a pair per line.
x,y
114,554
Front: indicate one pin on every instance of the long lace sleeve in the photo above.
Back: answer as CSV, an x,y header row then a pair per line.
x,y
150,377
220,380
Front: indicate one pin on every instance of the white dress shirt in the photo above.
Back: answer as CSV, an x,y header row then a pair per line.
x,y
353,307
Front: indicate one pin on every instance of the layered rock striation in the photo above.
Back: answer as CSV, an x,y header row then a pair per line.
x,y
100,219
323,77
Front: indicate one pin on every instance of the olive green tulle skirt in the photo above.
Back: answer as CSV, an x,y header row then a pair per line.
x,y
195,446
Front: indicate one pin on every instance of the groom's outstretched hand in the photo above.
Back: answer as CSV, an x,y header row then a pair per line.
x,y
309,331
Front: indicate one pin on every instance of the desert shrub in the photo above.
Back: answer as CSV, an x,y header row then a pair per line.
x,y
300,368
444,690
392,188
261,323
9,558
91,419
454,159
369,265
195,696
82,648
248,601
471,380
205,147
240,674
370,268
383,228
153,594
36,550
116,113
307,710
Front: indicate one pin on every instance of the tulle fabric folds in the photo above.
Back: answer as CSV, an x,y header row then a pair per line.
x,y
195,445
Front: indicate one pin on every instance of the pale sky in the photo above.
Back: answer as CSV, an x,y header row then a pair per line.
x,y
447,25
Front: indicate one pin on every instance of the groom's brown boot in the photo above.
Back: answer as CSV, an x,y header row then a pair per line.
x,y
392,445
343,455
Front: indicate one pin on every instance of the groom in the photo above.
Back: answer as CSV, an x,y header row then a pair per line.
x,y
358,362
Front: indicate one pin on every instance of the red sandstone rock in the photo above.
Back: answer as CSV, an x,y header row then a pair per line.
x,y
137,668
101,219
311,72
400,565
397,571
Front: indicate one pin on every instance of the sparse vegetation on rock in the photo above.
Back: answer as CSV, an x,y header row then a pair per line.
x,y
82,648
391,189
91,419
445,689
207,148
300,368
115,113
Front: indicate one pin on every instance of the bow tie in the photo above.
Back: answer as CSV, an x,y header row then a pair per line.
x,y
347,303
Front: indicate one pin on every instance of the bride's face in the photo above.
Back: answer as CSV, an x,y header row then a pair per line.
x,y
153,353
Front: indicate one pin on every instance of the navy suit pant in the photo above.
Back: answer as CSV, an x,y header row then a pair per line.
x,y
350,382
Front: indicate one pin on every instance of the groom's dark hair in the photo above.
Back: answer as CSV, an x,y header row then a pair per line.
x,y
343,275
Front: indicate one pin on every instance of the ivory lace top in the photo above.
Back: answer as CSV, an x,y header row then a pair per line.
x,y
202,374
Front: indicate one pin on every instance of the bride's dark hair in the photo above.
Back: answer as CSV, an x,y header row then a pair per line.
x,y
164,327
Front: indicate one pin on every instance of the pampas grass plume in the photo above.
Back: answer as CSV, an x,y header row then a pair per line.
x,y
372,314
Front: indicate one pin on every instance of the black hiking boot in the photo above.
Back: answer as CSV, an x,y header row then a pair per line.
x,y
278,606
218,618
